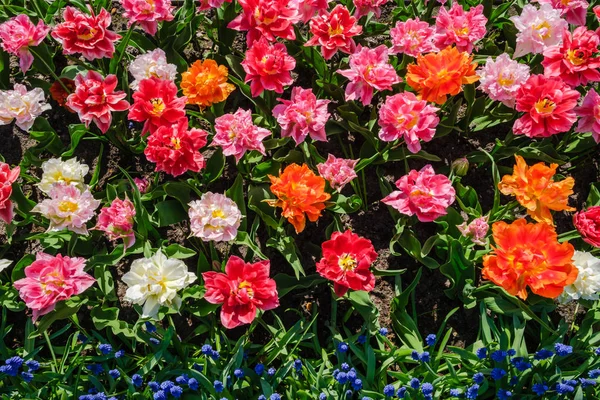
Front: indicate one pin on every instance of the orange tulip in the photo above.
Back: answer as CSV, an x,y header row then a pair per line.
x,y
436,75
528,254
60,94
299,191
205,83
536,191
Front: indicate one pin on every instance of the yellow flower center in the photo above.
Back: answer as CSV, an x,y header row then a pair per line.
x,y
59,177
576,57
526,259
218,213
347,262
543,30
55,279
259,19
401,119
67,206
158,106
87,35
442,74
462,32
419,192
308,115
176,143
545,106
367,74
151,9
504,80
597,111
264,61
248,286
335,31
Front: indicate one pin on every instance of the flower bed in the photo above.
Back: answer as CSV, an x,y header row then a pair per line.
x,y
265,199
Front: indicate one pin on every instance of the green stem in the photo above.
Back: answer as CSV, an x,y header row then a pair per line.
x,y
125,43
37,9
406,167
176,341
55,366
84,64
575,317
72,243
50,70
333,313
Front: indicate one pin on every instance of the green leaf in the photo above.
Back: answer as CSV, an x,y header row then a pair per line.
x,y
236,193
243,239
77,132
287,247
178,251
170,212
108,317
345,205
46,136
593,198
42,60
4,70
62,311
256,196
23,203
180,191
105,282
401,301
18,272
214,167
201,308
364,306
287,283
71,71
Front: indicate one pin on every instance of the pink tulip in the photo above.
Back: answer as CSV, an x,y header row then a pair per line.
x,y
86,34
459,27
369,69
50,279
268,67
18,34
412,37
117,221
147,13
337,171
268,19
236,134
403,115
7,178
94,99
302,115
422,193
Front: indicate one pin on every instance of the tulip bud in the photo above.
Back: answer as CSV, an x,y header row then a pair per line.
x,y
460,166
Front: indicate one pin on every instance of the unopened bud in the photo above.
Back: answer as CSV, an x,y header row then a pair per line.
x,y
460,166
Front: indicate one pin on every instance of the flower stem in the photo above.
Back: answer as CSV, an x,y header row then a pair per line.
x,y
51,71
125,43
51,351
